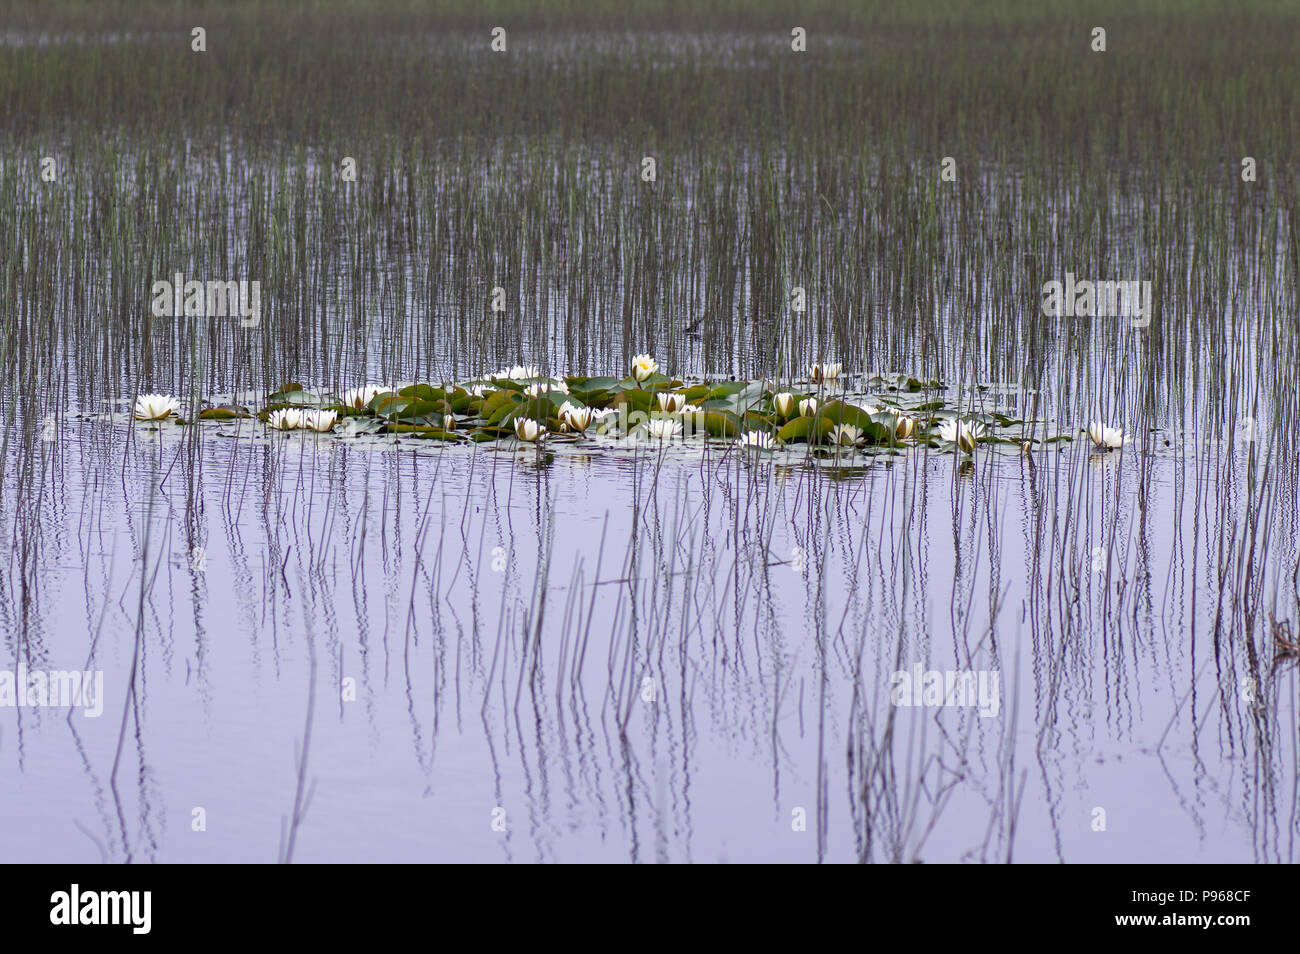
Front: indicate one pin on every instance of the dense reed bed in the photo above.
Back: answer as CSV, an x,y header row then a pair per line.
x,y
776,171
395,282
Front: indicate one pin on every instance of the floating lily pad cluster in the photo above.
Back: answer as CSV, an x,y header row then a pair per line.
x,y
521,404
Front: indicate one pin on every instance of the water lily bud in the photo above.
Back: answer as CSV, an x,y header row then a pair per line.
x,y
671,403
529,430
823,373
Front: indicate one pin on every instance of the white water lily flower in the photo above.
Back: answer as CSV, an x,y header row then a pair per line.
x,y
1106,438
578,418
688,409
321,421
643,366
155,407
600,413
670,403
482,390
846,435
962,433
518,372
784,403
663,429
286,419
903,427
822,373
757,439
358,398
869,408
541,387
807,407
529,430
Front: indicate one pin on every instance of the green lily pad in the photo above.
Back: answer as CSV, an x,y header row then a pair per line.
x,y
805,430
720,424
295,398
424,392
221,414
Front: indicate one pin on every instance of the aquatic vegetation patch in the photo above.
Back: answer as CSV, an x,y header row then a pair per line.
x,y
824,414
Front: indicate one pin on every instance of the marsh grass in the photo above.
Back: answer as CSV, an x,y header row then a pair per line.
x,y
776,170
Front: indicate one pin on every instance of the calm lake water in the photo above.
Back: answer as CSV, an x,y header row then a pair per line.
x,y
603,654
